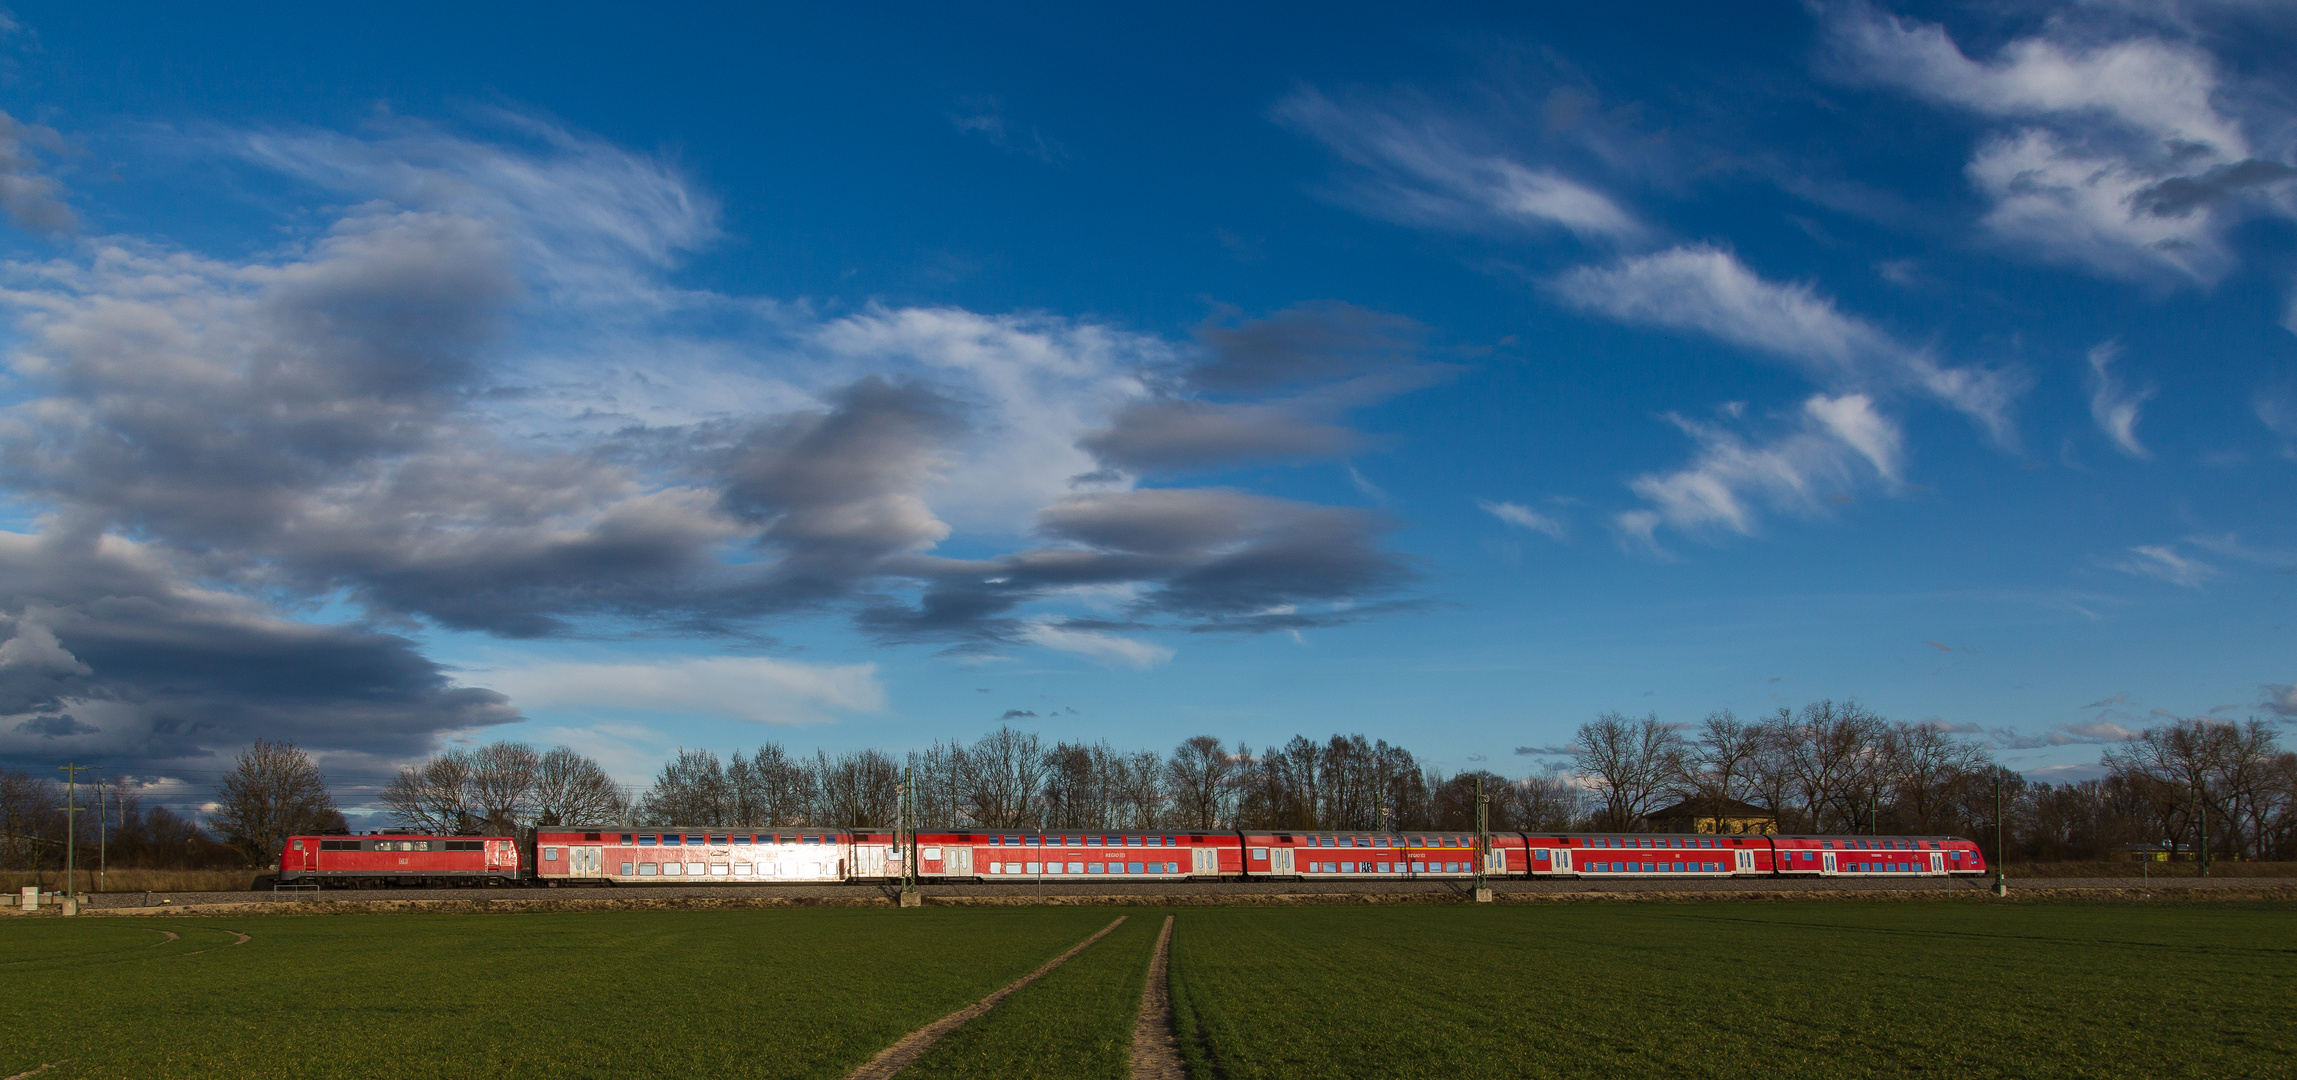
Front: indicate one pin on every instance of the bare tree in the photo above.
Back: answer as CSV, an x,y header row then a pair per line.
x,y
1627,763
1549,802
502,782
1715,770
273,791
434,797
1200,778
29,820
571,789
1002,777
770,789
690,790
861,788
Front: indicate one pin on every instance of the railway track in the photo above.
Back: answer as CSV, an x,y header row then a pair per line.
x,y
1243,890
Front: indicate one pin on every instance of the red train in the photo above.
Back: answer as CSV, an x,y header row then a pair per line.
x,y
719,856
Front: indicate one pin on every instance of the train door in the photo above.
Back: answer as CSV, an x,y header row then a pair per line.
x,y
1937,862
1746,860
1561,859
305,855
1828,859
1206,861
868,861
960,860
586,862
1280,860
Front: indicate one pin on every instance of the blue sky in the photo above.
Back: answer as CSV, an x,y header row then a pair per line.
x,y
704,379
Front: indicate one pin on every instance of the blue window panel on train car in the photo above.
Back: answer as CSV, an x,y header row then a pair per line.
x,y
1092,868
1133,868
646,840
1092,841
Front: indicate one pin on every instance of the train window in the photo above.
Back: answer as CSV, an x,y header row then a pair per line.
x,y
1347,868
626,840
1133,841
997,841
672,839
645,869
1156,841
1076,841
1092,868
644,840
717,839
1828,844
298,845
626,868
1029,840
1347,841
1092,841
697,841
468,845
741,838
550,854
1260,854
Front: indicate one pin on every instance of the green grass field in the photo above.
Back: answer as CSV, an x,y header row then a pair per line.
x,y
1740,990
1754,990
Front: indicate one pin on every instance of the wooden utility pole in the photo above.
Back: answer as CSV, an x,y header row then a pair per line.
x,y
1483,845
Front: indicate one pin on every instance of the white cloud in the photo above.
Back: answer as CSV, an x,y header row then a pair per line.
x,y
2123,158
2114,406
1708,290
2160,562
755,688
1421,173
1038,381
1730,477
1523,517
1107,648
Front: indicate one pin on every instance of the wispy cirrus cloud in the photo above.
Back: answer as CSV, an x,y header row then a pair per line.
x,y
1524,517
1416,168
2163,563
1708,290
2113,405
1831,444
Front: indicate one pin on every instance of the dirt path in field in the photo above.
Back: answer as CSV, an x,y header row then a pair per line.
x,y
894,1058
38,1071
1156,1053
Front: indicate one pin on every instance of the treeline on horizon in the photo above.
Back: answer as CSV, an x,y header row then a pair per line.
x,y
1827,767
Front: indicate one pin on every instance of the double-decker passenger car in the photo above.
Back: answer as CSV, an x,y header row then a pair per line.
x,y
715,856
1325,855
399,858
1024,854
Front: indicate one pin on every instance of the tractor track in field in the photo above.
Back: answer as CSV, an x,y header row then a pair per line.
x,y
897,1057
1171,894
1156,1050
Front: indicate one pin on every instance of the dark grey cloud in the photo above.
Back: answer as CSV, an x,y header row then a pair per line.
x,y
1267,389
1319,342
106,655
2280,700
28,195
2180,196
1171,435
1198,558
1557,750
1018,714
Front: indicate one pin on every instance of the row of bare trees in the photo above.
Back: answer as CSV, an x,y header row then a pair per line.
x,y
1012,779
504,788
1827,768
